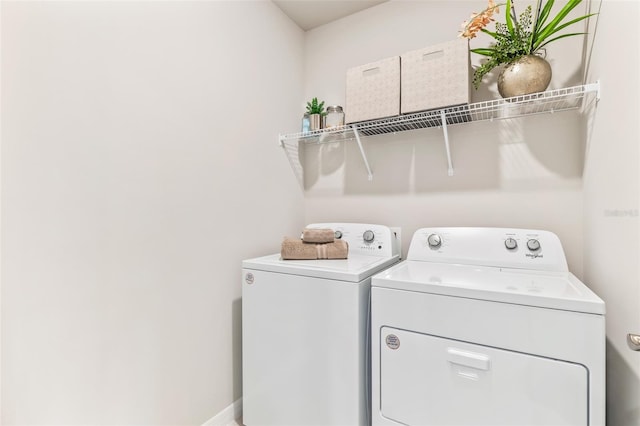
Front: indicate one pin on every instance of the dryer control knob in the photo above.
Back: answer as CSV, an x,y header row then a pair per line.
x,y
368,236
337,235
533,244
434,241
510,243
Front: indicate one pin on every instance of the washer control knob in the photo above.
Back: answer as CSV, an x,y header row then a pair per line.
x,y
337,235
533,244
434,241
510,243
368,236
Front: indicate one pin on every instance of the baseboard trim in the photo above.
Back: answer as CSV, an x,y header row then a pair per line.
x,y
226,416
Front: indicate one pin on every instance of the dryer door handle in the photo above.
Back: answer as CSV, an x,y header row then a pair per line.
x,y
469,359
633,340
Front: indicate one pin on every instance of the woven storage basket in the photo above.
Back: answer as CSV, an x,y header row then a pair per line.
x,y
435,77
373,90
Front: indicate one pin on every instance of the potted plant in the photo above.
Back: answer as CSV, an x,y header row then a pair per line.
x,y
315,110
520,44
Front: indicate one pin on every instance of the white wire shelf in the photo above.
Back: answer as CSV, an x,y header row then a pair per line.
x,y
550,101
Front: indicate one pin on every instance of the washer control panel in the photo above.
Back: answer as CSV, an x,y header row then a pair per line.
x,y
511,243
499,247
363,238
368,236
434,241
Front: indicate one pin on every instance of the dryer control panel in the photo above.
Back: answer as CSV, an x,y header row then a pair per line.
x,y
363,238
499,247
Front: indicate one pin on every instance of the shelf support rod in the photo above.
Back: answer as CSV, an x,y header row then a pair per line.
x,y
443,118
364,157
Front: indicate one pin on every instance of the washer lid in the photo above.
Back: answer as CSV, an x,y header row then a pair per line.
x,y
548,290
354,269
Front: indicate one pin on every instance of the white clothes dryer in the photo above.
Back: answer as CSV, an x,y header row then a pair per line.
x,y
486,326
305,335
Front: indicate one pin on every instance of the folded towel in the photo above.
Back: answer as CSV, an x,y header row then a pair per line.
x,y
294,249
310,235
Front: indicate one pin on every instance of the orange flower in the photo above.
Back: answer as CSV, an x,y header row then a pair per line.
x,y
478,21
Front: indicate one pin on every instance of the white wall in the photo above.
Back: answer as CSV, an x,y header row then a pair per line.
x,y
612,200
140,165
517,173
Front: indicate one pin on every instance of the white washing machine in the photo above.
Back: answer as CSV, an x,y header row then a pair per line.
x,y
486,326
305,332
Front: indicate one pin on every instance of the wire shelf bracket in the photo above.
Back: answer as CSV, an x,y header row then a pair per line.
x,y
443,117
364,156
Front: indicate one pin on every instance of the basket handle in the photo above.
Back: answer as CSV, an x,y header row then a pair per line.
x,y
371,72
430,56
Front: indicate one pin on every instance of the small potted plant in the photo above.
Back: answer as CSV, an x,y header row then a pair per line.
x,y
519,44
315,110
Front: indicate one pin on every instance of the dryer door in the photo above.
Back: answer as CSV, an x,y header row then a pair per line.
x,y
428,380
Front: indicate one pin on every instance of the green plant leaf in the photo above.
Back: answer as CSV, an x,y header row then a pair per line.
x,y
491,33
542,42
485,51
543,16
551,27
508,19
559,37
573,21
535,24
